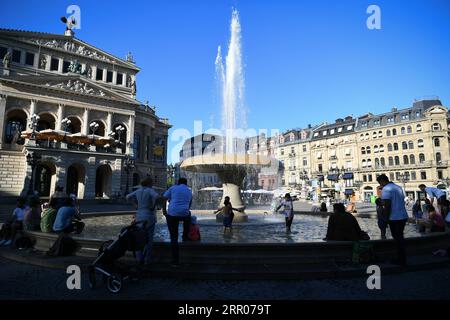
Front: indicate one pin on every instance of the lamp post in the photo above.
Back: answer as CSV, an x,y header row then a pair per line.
x,y
32,160
119,130
94,127
33,125
128,165
66,123
403,178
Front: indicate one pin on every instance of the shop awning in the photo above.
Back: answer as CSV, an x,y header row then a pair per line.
x,y
348,192
347,176
332,177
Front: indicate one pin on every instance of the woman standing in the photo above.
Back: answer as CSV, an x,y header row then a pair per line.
x,y
288,211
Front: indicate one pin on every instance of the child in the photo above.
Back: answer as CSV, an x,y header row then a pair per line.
x,y
417,210
382,221
9,229
194,230
288,210
437,221
228,214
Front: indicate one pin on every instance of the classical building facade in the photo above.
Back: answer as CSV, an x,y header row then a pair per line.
x,y
410,145
73,106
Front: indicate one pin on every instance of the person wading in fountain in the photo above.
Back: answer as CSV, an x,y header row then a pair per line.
x,y
395,211
228,214
288,211
180,200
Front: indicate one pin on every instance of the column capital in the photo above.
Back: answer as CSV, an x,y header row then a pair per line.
x,y
3,96
33,100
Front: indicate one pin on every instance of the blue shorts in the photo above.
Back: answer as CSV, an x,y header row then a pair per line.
x,y
227,222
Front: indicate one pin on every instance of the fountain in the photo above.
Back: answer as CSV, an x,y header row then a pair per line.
x,y
232,163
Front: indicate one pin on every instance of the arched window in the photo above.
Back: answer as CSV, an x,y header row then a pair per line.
x,y
363,150
375,149
421,158
404,145
405,159
381,148
419,128
382,162
137,145
368,150
374,135
397,161
380,134
420,143
436,127
369,163
394,132
409,129
410,145
438,158
403,130
16,123
390,147
412,159
395,146
391,161
437,142
364,163
377,163
388,133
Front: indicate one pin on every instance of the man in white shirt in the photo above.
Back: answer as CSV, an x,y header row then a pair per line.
x,y
394,208
435,193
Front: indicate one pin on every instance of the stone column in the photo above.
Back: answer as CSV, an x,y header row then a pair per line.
x,y
105,72
114,79
60,65
108,124
94,72
32,111
130,136
48,63
85,128
60,116
2,116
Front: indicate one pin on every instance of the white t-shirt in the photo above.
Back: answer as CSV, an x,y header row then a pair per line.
x,y
288,207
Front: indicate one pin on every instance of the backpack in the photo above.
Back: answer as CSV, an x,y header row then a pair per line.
x,y
47,220
63,246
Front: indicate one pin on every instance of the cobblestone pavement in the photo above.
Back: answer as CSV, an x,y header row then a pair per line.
x,y
21,281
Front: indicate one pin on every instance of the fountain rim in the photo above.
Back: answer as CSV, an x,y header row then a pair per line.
x,y
224,161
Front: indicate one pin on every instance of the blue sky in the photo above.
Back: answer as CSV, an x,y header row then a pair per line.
x,y
305,61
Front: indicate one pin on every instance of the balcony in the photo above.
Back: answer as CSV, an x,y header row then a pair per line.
x,y
425,164
333,158
292,168
292,155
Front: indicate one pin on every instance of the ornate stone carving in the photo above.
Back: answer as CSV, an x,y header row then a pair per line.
x,y
77,86
7,60
75,67
69,46
42,62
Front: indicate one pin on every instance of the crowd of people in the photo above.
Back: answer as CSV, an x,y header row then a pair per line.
x,y
61,215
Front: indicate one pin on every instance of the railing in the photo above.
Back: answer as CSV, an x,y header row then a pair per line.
x,y
424,164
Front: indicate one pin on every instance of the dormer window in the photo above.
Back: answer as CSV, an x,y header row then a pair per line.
x,y
332,131
390,120
340,130
316,134
324,133
405,116
349,128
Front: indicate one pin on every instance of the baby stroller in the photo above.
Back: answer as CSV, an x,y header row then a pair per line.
x,y
132,238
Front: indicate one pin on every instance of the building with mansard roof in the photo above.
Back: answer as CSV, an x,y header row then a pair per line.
x,y
73,107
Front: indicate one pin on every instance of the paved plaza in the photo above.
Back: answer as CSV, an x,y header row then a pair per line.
x,y
21,281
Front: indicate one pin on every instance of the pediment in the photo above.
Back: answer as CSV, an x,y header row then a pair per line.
x,y
75,84
437,110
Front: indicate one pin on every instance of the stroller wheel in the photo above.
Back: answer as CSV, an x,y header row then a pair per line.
x,y
92,280
114,283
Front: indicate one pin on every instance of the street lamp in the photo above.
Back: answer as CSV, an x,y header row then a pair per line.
x,y
128,165
66,123
32,160
33,125
403,178
94,127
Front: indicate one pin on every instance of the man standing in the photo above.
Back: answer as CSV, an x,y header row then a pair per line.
x,y
145,197
394,211
180,200
433,193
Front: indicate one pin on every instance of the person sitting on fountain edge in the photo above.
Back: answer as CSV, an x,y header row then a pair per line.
x,y
343,226
228,214
288,211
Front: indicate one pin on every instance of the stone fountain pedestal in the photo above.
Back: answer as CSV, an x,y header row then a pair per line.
x,y
231,169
